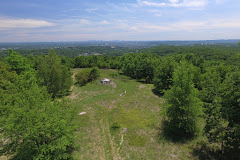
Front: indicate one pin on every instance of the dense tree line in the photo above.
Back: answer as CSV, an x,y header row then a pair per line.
x,y
75,51
32,124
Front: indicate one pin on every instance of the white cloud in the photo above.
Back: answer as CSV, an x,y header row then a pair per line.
x,y
7,23
84,21
148,3
176,3
104,22
220,1
91,9
193,3
187,26
173,1
125,26
158,15
225,23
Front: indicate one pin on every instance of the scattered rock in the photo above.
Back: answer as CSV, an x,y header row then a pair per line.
x,y
121,140
103,104
82,113
142,86
173,155
115,100
124,130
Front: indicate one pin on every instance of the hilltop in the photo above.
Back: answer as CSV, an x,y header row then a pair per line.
x,y
123,121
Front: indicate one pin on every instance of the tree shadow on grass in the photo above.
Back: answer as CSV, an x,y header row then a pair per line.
x,y
13,152
68,93
157,93
204,152
168,133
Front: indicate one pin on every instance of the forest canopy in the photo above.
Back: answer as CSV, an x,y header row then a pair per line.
x,y
198,84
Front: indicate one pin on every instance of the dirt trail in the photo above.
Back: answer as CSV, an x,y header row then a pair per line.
x,y
73,78
73,95
114,152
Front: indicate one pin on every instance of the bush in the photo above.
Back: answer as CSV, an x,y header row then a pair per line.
x,y
115,126
94,73
114,75
82,77
85,76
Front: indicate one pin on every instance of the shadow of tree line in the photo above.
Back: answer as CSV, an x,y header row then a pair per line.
x,y
203,150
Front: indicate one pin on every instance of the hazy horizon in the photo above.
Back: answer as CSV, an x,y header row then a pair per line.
x,y
123,20
83,41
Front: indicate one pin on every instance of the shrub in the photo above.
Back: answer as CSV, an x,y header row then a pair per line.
x,y
82,77
85,76
115,126
94,73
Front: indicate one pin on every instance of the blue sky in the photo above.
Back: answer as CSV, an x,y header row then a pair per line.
x,y
80,20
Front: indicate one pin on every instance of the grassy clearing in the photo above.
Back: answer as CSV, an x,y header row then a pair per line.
x,y
137,110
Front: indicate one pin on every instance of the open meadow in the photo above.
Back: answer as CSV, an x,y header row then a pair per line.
x,y
123,121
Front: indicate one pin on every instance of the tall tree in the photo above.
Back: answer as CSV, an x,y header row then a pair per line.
x,y
183,106
56,77
211,97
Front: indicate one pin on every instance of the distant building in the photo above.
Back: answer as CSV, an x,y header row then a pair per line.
x,y
105,80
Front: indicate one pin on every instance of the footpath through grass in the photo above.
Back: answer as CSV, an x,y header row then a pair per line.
x,y
122,121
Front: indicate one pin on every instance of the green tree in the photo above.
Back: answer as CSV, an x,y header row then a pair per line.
x,y
82,77
33,125
17,62
56,77
94,73
6,75
163,74
230,93
86,75
183,107
211,97
139,66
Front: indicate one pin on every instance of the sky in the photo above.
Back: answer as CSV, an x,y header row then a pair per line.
x,y
141,20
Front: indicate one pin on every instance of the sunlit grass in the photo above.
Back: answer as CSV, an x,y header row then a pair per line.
x,y
137,109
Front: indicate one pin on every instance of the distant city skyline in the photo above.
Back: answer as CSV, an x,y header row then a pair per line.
x,y
134,20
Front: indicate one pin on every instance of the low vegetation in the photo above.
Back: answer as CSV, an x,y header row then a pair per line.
x,y
87,75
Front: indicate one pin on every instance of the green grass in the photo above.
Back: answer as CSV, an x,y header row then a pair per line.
x,y
138,110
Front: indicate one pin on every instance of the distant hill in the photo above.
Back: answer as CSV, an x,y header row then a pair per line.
x,y
128,44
